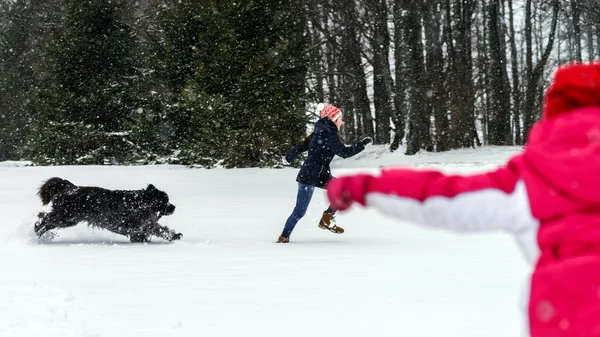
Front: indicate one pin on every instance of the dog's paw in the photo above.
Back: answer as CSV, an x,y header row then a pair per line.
x,y
37,227
46,237
138,238
176,236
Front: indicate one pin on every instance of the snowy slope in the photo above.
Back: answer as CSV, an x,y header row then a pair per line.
x,y
227,277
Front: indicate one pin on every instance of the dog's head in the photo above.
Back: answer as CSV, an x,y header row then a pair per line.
x,y
159,201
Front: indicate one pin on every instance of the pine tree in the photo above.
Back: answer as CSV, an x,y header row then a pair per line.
x,y
243,67
13,78
86,105
23,26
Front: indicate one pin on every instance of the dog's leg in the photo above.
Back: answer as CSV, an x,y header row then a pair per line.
x,y
165,232
49,221
134,234
43,225
41,219
139,237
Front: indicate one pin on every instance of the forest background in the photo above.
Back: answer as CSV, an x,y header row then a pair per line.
x,y
235,83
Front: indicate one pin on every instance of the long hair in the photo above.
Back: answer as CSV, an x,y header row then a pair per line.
x,y
306,140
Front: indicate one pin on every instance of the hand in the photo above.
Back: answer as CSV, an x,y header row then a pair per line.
x,y
366,141
285,162
344,191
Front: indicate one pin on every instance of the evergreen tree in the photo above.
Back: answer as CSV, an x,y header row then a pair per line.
x,y
241,67
13,87
22,28
86,105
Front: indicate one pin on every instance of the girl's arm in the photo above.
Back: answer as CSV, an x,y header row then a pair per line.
x,y
335,145
495,200
299,148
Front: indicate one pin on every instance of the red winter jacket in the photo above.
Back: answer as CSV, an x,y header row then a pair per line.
x,y
552,187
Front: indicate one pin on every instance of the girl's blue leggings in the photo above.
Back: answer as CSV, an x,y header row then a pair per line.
x,y
305,193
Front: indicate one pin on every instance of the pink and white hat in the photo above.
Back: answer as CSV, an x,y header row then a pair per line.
x,y
330,111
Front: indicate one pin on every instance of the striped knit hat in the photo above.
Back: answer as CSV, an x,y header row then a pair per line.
x,y
330,111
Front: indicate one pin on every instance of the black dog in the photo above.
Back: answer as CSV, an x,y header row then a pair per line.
x,y
131,213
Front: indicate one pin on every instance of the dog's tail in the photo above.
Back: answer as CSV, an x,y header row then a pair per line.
x,y
52,187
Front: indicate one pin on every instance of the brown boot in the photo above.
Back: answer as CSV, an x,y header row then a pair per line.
x,y
283,240
328,222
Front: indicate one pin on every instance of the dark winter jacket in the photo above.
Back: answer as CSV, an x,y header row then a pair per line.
x,y
322,147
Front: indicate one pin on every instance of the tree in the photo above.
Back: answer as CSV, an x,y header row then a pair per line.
x,y
86,103
400,88
248,64
23,26
533,74
576,12
459,18
383,85
354,100
435,94
516,83
418,132
499,126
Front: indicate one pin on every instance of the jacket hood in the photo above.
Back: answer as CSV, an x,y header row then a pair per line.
x,y
564,152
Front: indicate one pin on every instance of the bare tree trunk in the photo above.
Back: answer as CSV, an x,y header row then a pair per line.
x,y
436,90
351,51
576,29
462,91
598,39
316,55
516,90
400,104
528,51
349,130
418,119
590,43
483,66
590,16
382,77
452,80
331,80
533,75
499,127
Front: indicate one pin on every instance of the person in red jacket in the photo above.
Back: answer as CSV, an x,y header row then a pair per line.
x,y
552,187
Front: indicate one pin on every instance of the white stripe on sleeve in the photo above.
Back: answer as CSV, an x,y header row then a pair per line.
x,y
482,210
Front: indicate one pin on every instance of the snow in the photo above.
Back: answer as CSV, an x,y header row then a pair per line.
x,y
227,277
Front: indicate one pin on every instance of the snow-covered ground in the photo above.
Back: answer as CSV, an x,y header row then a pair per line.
x,y
227,277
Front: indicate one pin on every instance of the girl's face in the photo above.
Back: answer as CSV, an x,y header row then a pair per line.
x,y
339,122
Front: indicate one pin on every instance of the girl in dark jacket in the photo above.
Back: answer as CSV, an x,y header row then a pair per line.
x,y
322,145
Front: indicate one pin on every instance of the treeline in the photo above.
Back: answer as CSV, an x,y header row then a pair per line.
x,y
234,83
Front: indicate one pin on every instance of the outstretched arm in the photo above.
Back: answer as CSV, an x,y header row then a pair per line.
x,y
495,200
336,146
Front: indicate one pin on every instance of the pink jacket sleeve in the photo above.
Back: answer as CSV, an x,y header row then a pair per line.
x,y
495,200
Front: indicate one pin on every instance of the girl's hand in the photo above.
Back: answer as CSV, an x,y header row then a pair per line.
x,y
344,191
366,141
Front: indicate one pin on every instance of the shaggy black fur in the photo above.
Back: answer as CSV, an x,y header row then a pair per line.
x,y
131,213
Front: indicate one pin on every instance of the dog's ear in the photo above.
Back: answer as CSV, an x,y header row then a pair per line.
x,y
150,188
